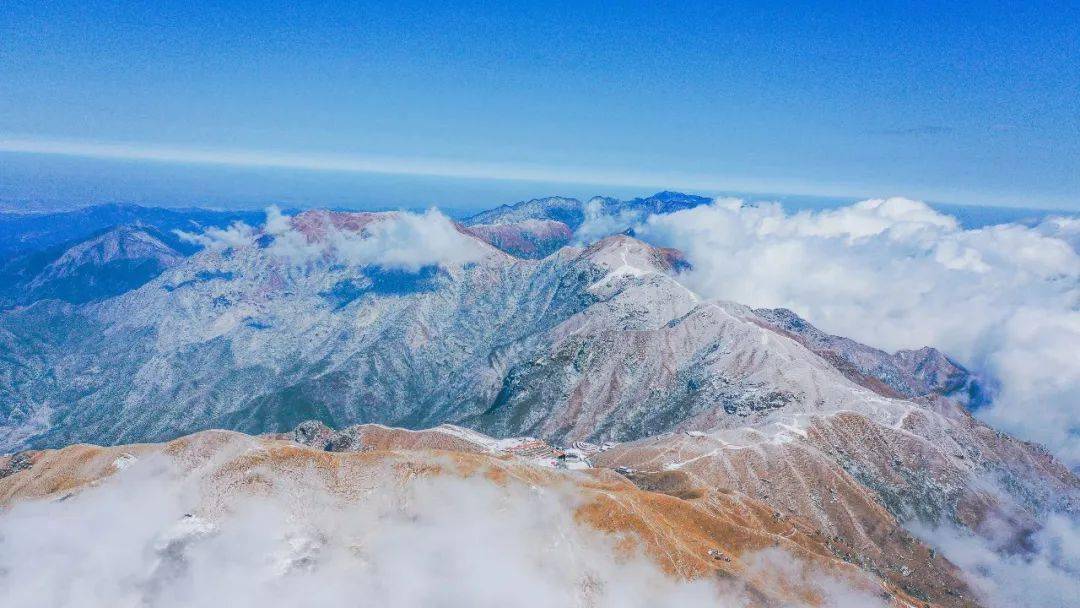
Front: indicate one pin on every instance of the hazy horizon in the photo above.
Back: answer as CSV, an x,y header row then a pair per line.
x,y
474,104
38,183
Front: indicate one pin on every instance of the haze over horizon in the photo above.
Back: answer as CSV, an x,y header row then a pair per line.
x,y
480,105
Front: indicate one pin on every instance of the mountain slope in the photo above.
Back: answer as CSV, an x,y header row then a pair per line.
x,y
305,319
529,238
601,343
910,373
703,535
22,233
107,264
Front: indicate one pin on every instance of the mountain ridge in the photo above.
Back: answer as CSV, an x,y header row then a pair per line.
x,y
365,321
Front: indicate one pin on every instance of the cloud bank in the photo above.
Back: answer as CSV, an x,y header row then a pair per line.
x,y
894,273
399,240
1045,575
154,537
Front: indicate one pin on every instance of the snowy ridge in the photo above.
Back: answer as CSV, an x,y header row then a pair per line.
x,y
596,344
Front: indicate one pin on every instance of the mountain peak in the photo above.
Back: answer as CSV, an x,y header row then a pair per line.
x,y
558,208
624,251
571,211
669,195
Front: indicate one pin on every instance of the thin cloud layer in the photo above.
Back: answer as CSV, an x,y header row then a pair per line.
x,y
776,567
895,273
598,223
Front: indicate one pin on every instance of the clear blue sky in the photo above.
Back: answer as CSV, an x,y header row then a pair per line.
x,y
953,102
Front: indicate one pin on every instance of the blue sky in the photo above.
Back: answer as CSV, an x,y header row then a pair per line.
x,y
977,105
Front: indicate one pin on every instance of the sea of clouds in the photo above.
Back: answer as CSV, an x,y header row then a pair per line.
x,y
894,273
152,536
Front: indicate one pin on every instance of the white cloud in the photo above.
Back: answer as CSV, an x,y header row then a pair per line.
x,y
1037,359
409,241
165,533
277,223
443,541
598,224
1046,574
400,240
894,273
1063,227
775,567
238,234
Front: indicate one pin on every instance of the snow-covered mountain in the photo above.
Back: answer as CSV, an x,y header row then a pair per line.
x,y
597,343
569,211
411,321
538,227
22,233
529,238
910,373
573,212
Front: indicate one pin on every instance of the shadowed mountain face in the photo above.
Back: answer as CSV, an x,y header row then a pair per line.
x,y
107,264
97,252
22,233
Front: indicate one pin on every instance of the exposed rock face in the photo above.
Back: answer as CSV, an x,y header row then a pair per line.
x,y
13,463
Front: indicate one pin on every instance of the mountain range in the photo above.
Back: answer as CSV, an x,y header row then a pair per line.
x,y
548,331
